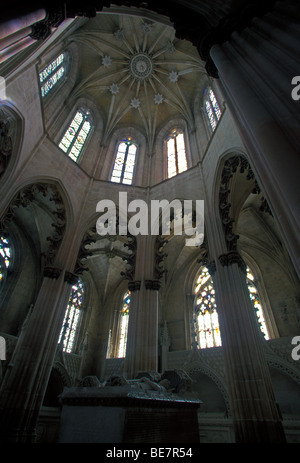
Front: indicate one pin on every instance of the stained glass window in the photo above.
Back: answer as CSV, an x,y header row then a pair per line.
x,y
212,109
52,74
76,135
125,162
207,322
123,325
177,162
5,256
254,296
72,317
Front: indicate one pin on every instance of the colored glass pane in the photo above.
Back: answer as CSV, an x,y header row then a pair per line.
x,y
212,109
254,296
52,74
72,317
207,322
176,154
5,256
76,135
123,327
124,163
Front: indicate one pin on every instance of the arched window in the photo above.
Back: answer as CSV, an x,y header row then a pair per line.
x,y
5,257
254,296
125,162
72,317
177,162
207,322
76,135
212,108
51,74
123,325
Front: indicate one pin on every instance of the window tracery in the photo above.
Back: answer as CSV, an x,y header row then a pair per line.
x,y
72,317
207,322
212,108
255,298
176,153
5,257
51,74
76,135
123,325
125,162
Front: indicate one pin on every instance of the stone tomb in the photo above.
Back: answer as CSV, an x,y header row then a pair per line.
x,y
138,411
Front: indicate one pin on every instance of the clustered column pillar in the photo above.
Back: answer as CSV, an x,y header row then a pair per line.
x,y
24,384
254,410
255,71
142,343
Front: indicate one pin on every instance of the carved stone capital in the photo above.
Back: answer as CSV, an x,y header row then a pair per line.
x,y
152,284
134,285
52,272
232,257
71,278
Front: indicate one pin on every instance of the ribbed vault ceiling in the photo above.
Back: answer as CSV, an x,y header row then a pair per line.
x,y
137,72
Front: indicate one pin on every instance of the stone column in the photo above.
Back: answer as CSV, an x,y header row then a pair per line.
x,y
255,72
142,339
255,414
25,382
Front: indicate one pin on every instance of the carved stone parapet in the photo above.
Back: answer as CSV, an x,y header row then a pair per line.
x,y
134,285
152,284
52,272
71,278
232,257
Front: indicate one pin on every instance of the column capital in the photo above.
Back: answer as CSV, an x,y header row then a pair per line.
x,y
232,257
152,284
71,278
52,272
134,285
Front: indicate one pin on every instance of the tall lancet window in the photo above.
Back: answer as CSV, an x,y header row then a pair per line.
x,y
51,74
76,135
255,298
176,153
72,317
5,257
125,162
212,108
207,322
123,325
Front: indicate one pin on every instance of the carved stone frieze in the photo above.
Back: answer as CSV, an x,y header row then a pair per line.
x,y
83,253
24,198
130,259
5,144
160,255
232,165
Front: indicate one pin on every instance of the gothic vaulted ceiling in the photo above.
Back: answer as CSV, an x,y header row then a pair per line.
x,y
137,73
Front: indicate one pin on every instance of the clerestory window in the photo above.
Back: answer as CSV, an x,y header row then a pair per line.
x,y
212,108
176,153
76,135
52,74
125,162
